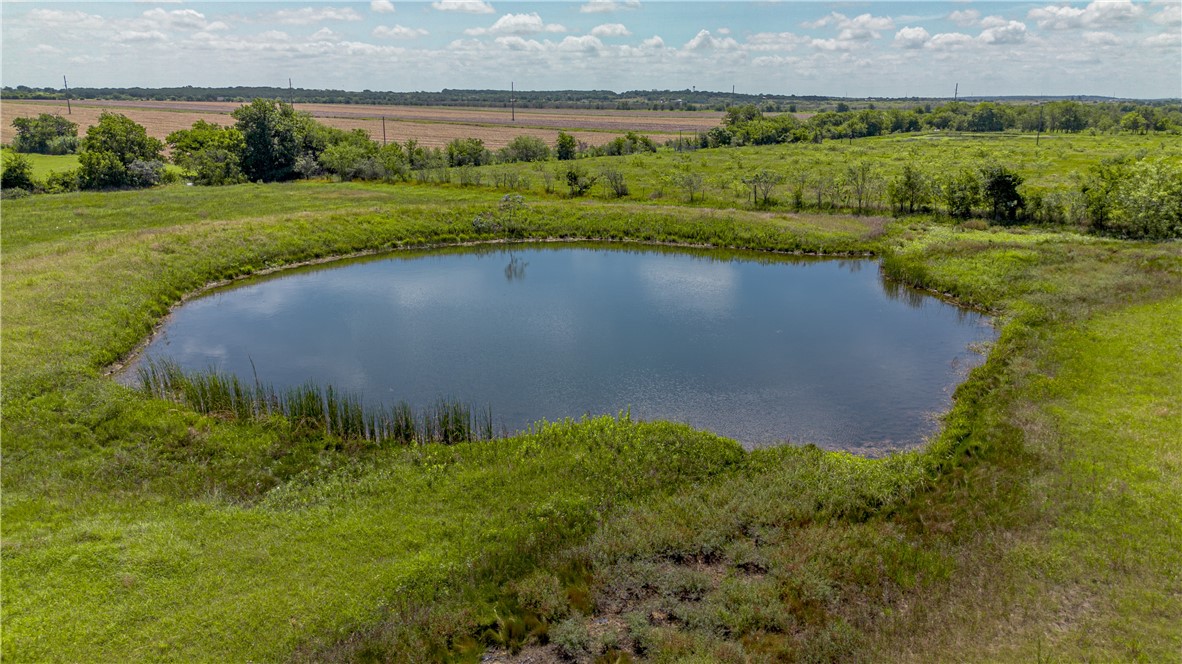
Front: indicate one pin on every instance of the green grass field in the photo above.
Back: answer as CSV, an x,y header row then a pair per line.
x,y
1040,524
1055,164
44,164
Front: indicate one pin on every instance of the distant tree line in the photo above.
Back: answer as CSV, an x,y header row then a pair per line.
x,y
689,99
749,125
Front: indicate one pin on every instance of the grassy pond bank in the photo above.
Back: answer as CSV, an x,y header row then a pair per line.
x,y
1042,522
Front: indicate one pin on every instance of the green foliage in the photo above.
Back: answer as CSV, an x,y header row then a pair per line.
x,y
467,152
999,190
911,190
17,172
117,152
274,136
524,148
577,180
960,192
762,185
1135,198
45,134
353,160
213,154
565,147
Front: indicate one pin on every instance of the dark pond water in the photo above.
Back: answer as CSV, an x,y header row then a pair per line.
x,y
762,349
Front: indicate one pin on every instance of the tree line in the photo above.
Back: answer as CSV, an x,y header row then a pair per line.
x,y
688,99
749,125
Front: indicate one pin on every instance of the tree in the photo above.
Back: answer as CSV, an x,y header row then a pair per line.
x,y
117,152
349,160
566,147
524,148
960,191
578,182
910,190
863,184
1000,189
615,181
45,134
17,172
689,181
273,139
1141,199
762,185
467,152
210,152
1134,122
739,115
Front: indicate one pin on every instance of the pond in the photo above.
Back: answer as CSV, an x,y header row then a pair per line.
x,y
760,348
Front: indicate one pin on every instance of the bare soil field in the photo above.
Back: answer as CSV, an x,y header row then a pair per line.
x,y
429,125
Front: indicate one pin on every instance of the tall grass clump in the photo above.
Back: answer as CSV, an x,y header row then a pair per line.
x,y
312,407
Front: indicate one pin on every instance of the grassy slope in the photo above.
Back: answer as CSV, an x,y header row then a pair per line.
x,y
155,532
136,512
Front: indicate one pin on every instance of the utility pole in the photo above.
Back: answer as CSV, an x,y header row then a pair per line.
x,y
290,93
1039,134
956,92
383,130
69,111
512,101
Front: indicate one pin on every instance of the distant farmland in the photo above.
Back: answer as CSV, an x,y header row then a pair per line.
x,y
430,126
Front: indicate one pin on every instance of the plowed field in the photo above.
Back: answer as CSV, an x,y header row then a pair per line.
x,y
430,126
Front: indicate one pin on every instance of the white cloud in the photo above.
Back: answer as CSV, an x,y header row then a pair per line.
x,y
1101,39
177,18
517,24
603,6
611,30
517,43
1013,32
863,27
139,37
310,15
653,42
45,49
324,34
1171,15
994,22
1164,40
67,19
463,6
831,45
775,41
381,6
398,32
1098,14
965,17
704,40
912,37
583,44
949,40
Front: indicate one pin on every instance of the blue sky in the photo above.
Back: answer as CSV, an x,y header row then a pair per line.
x,y
886,49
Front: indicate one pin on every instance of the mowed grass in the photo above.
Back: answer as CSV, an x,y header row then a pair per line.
x,y
44,164
153,532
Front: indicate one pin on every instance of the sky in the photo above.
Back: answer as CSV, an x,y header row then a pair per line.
x,y
1120,48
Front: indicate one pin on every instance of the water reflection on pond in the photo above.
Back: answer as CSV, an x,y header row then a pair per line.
x,y
760,348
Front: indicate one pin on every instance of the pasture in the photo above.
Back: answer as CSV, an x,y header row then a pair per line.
x,y
1040,522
